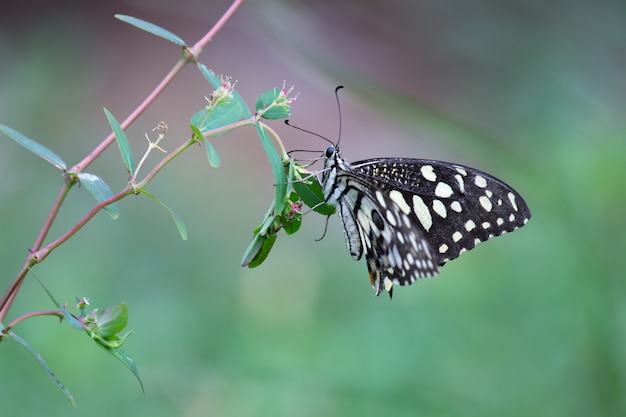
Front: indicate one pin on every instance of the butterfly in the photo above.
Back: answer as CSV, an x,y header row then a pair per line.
x,y
410,216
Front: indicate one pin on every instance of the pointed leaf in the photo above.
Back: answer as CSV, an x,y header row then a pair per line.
x,y
252,250
35,147
69,318
280,179
258,250
121,355
152,28
210,76
45,367
100,191
122,142
180,225
214,159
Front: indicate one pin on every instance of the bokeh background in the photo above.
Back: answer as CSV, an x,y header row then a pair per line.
x,y
531,323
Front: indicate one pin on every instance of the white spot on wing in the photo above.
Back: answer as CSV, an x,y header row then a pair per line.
x,y
443,248
397,197
456,206
456,236
485,202
480,181
459,180
428,173
381,198
443,190
422,212
470,225
512,200
439,208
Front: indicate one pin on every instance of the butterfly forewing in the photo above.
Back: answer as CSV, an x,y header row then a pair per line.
x,y
456,206
410,216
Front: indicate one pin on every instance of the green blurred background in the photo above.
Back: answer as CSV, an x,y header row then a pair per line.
x,y
532,323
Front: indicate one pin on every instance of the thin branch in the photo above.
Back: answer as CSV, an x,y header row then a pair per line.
x,y
8,327
37,255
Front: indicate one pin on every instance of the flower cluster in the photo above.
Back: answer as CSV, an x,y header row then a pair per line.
x,y
223,94
283,98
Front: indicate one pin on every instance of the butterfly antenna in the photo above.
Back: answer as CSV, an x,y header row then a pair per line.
x,y
339,87
308,131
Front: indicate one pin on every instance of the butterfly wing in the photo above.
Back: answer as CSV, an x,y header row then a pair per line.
x,y
456,206
395,248
410,216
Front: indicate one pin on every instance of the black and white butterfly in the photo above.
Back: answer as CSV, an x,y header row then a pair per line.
x,y
410,216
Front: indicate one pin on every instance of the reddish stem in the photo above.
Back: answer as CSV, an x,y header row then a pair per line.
x,y
38,255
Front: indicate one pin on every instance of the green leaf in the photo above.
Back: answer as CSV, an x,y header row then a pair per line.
x,y
291,219
180,225
280,179
69,318
45,367
214,159
258,250
104,331
100,191
222,115
111,321
152,28
215,81
35,147
122,142
121,355
275,111
252,250
311,192
292,225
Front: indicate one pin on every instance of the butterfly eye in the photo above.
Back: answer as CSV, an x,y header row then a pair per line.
x,y
330,151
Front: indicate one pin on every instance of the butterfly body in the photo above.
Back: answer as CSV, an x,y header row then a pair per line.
x,y
410,216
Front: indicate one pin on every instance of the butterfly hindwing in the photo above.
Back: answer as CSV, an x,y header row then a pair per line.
x,y
396,251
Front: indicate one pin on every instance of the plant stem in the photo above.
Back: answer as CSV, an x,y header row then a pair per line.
x,y
276,139
38,255
23,317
